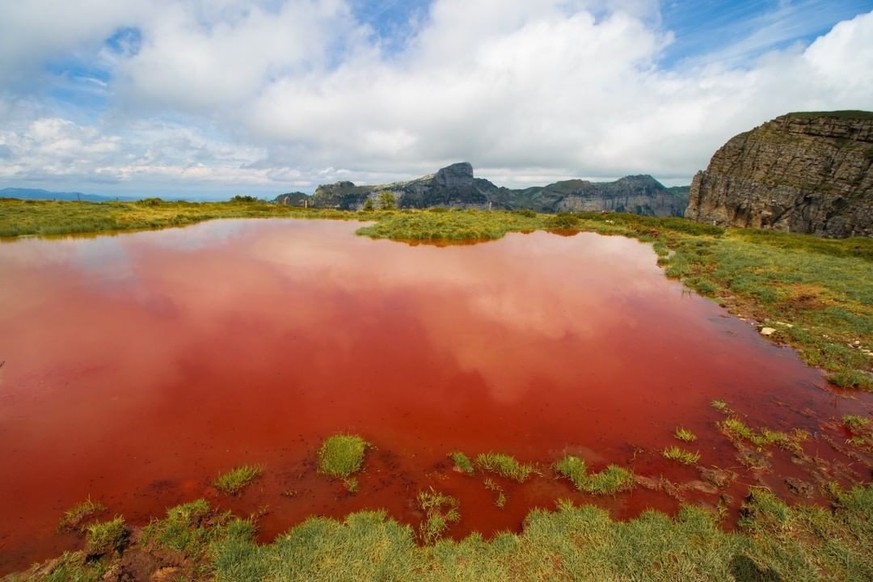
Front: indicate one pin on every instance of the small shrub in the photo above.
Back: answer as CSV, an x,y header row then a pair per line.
x,y
563,221
243,199
387,201
237,479
527,213
150,202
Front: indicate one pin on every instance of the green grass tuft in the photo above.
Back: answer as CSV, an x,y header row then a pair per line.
x,y
440,511
237,479
574,469
76,516
341,456
613,479
505,466
500,499
685,435
680,455
720,405
462,462
107,537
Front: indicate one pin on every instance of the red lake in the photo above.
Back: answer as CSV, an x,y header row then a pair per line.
x,y
139,367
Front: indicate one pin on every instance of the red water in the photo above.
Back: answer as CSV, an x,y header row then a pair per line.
x,y
139,367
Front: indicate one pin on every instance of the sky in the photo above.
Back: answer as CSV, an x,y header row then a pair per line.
x,y
211,98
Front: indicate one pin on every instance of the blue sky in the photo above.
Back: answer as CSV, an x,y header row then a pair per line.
x,y
206,98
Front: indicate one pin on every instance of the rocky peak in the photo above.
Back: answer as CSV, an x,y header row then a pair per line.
x,y
458,175
801,172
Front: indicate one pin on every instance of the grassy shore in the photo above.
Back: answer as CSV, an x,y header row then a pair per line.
x,y
772,542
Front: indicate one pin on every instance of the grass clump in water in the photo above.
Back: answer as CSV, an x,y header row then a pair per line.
x,y
734,428
613,479
440,511
76,516
462,462
574,469
685,435
720,405
237,479
681,455
490,485
341,456
505,466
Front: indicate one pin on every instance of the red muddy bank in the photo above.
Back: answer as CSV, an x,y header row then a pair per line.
x,y
139,367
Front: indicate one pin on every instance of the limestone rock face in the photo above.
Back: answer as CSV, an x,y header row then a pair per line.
x,y
802,172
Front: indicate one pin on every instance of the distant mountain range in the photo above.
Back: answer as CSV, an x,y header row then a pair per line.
x,y
39,194
456,187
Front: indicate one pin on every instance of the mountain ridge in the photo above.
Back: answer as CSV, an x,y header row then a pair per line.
x,y
455,186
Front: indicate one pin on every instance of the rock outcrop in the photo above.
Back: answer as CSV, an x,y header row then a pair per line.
x,y
801,172
455,186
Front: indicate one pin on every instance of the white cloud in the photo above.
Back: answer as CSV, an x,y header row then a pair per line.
x,y
195,59
283,94
37,31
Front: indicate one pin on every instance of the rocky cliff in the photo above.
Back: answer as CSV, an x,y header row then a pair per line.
x,y
456,187
802,172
